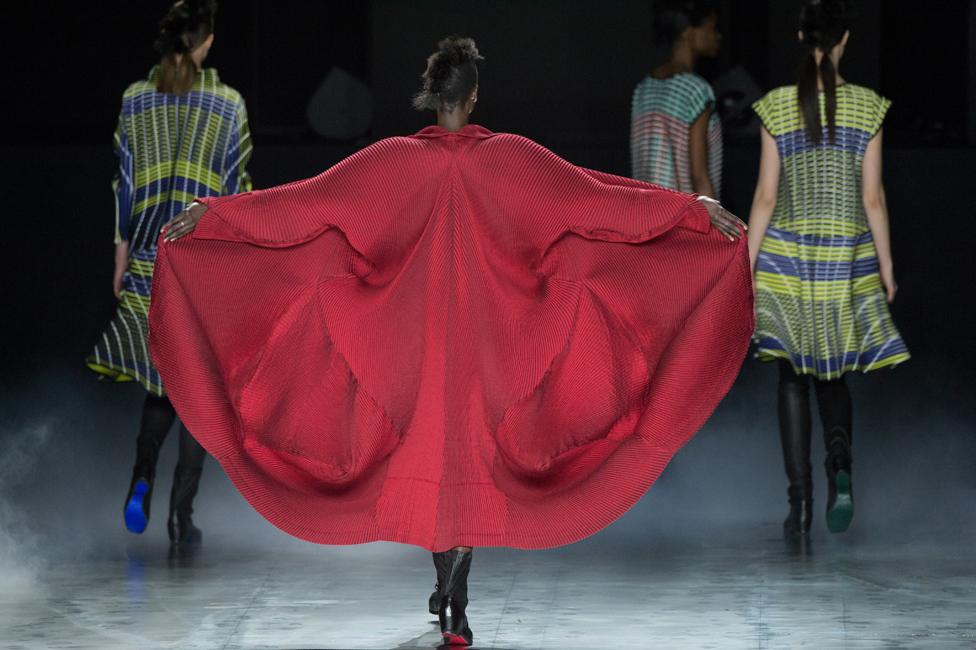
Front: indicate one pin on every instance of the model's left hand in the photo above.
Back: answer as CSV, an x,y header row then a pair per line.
x,y
724,221
888,280
184,223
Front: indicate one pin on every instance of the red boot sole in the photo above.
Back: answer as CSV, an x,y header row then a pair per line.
x,y
454,639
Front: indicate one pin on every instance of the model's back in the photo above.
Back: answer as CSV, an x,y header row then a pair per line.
x,y
177,147
662,112
820,183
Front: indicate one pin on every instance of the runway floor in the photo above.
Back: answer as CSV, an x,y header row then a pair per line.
x,y
697,563
750,591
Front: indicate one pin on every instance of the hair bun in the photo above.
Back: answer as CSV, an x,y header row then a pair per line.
x,y
452,52
452,71
458,50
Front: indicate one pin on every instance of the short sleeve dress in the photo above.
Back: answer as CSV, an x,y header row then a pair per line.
x,y
820,303
662,113
171,149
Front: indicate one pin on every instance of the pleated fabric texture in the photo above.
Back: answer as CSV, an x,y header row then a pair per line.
x,y
449,339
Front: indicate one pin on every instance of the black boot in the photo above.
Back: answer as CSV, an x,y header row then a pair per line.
x,y
137,501
442,566
453,568
794,429
434,602
840,493
183,535
798,522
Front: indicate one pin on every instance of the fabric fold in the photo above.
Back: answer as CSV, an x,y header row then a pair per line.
x,y
450,339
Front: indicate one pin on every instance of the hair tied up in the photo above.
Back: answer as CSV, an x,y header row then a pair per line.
x,y
823,24
185,26
452,73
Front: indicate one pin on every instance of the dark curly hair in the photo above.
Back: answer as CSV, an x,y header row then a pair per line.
x,y
451,74
187,24
823,23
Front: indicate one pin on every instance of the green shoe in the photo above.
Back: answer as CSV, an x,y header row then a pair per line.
x,y
840,503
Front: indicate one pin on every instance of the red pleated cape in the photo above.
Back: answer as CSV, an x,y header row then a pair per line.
x,y
449,339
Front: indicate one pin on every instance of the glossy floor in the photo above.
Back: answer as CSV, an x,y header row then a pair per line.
x,y
697,563
741,592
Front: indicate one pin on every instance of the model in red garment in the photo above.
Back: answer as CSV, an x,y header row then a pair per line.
x,y
451,339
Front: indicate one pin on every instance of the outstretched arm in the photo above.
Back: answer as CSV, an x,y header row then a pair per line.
x,y
363,196
722,220
546,198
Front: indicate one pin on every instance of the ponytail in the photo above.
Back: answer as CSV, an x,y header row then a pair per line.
x,y
829,77
807,93
185,26
823,24
806,90
177,74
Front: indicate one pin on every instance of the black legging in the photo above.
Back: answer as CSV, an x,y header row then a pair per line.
x,y
834,402
158,415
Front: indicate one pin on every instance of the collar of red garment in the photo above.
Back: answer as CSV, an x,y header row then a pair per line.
x,y
468,131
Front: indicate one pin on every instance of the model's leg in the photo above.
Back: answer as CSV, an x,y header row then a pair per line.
x,y
794,431
834,400
452,579
157,419
186,480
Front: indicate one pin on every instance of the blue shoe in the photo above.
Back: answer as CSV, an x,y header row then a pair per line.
x,y
136,511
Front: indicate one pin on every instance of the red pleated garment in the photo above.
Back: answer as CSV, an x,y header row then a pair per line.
x,y
449,339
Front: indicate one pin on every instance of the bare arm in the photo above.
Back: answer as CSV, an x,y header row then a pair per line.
x,y
121,265
764,199
701,182
876,210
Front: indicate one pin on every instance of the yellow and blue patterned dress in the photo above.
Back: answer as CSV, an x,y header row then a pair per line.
x,y
171,149
820,303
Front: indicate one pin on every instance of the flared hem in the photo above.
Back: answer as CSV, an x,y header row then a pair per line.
x,y
767,355
121,375
586,516
502,512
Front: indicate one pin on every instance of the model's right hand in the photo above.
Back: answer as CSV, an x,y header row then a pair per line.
x,y
722,220
184,223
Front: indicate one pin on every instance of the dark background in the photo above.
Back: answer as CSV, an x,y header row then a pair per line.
x,y
560,72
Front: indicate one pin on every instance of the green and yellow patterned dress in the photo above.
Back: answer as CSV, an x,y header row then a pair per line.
x,y
820,303
661,114
171,149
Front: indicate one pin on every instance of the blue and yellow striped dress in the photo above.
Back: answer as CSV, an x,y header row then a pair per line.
x,y
171,149
820,303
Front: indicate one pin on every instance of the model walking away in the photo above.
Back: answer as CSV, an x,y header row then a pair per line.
x,y
456,344
820,250
181,134
675,133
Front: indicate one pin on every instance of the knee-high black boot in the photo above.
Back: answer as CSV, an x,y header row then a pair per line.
x,y
452,578
183,535
157,419
794,428
834,400
442,567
